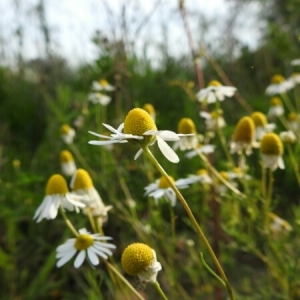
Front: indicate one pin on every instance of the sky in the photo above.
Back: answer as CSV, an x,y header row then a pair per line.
x,y
72,23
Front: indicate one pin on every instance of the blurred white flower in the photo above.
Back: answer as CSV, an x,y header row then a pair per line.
x,y
279,85
213,120
102,85
67,134
99,98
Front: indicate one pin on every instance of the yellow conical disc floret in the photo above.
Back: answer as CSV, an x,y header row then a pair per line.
x,y
103,82
271,144
149,109
275,101
163,183
201,172
65,156
56,185
137,122
277,79
65,129
244,130
136,258
83,242
186,126
259,119
214,83
82,180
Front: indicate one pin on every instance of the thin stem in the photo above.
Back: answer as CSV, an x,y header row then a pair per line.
x,y
160,291
288,102
294,162
112,268
268,199
91,219
192,219
68,222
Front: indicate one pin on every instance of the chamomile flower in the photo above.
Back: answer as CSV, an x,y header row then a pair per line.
x,y
102,85
149,108
99,98
140,260
295,77
243,138
67,134
213,120
276,108
161,189
261,125
201,176
57,194
87,245
293,121
139,128
288,137
67,163
271,150
295,62
279,85
206,149
278,225
214,92
186,126
82,184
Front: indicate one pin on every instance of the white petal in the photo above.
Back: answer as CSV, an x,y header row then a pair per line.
x,y
168,135
167,151
92,257
138,154
99,135
65,258
79,259
100,143
110,128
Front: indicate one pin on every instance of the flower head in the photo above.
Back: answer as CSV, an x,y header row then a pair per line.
x,y
162,189
271,150
276,108
139,128
206,149
82,184
140,260
57,194
295,62
293,121
288,137
279,85
67,133
67,163
244,136
261,124
149,108
213,120
186,126
278,225
215,91
99,98
102,85
87,245
201,176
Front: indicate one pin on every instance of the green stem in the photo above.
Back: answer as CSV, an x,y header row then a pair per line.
x,y
160,291
294,162
68,222
112,268
268,200
192,219
288,102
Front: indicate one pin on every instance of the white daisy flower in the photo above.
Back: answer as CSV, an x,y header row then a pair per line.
x,y
102,85
295,77
82,185
67,163
67,134
186,126
215,91
278,225
206,149
279,85
288,137
87,245
57,194
213,120
140,128
261,125
161,189
271,151
276,108
99,98
201,176
293,121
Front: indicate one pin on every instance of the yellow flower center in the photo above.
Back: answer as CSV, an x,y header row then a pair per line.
x,y
136,258
149,109
244,130
214,83
201,172
292,116
65,156
277,79
83,242
163,183
271,144
186,126
65,129
259,119
82,180
275,101
103,82
237,170
138,121
56,185
295,74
